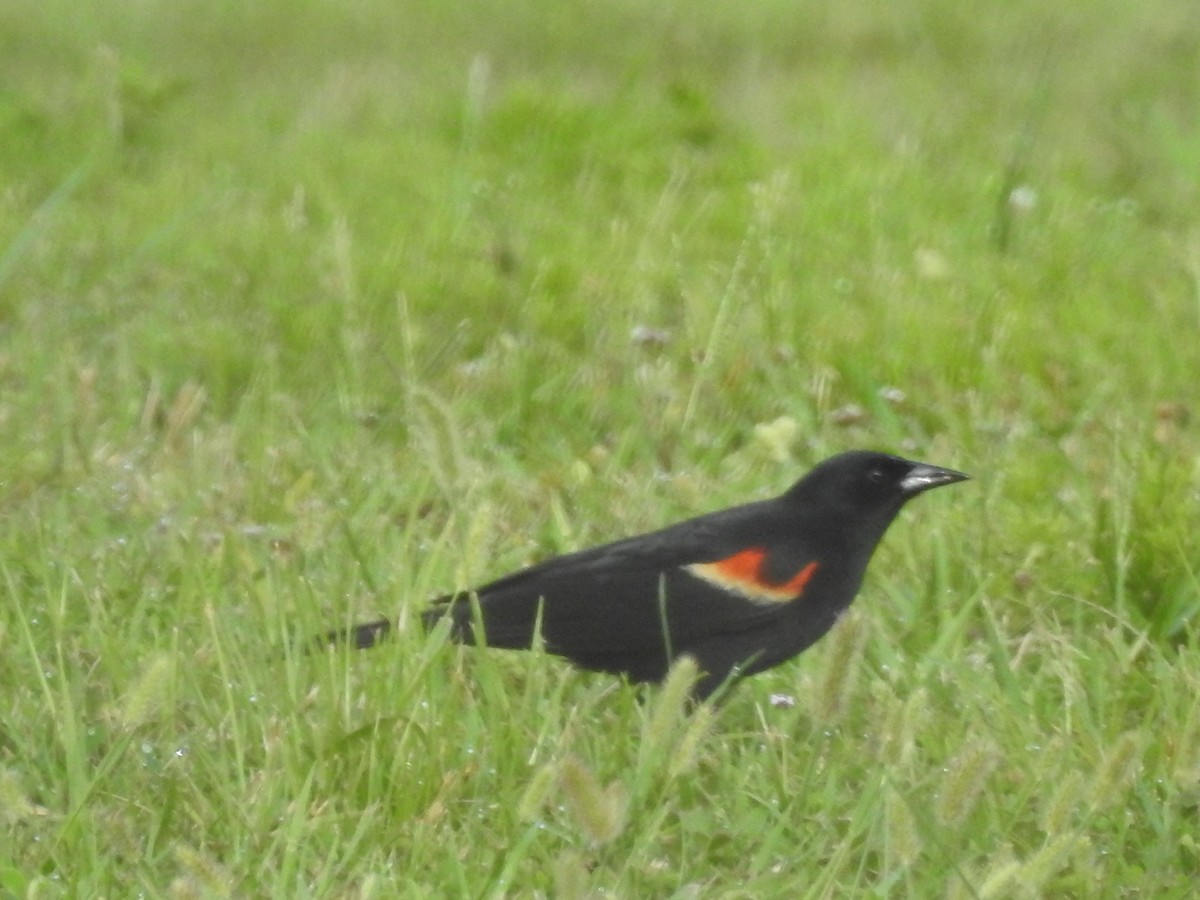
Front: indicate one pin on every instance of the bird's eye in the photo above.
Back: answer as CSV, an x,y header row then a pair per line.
x,y
876,476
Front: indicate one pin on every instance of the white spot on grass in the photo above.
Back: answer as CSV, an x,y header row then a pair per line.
x,y
1022,198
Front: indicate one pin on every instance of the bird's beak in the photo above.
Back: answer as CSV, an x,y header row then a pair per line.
x,y
922,477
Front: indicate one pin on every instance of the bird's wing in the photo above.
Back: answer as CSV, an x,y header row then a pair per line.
x,y
701,577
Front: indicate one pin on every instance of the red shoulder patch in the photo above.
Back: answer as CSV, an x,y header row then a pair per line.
x,y
743,573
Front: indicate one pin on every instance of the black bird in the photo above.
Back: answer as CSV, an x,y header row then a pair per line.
x,y
739,590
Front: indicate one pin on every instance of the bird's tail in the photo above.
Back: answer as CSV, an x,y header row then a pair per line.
x,y
456,608
371,634
360,637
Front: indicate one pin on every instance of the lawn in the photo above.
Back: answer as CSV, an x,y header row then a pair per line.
x,y
312,311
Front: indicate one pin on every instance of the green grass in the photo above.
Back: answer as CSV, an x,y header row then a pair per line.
x,y
311,311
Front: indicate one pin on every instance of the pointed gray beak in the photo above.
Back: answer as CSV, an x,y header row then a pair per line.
x,y
922,477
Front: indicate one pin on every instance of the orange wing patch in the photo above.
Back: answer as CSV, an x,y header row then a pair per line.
x,y
743,574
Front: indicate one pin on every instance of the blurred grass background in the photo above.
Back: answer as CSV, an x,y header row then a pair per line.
x,y
310,311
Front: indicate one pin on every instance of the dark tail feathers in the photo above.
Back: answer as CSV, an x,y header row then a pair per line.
x,y
371,634
360,637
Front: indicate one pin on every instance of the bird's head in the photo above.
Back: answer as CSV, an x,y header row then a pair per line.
x,y
866,484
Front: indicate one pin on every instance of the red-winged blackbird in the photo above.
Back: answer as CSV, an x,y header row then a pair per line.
x,y
740,590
